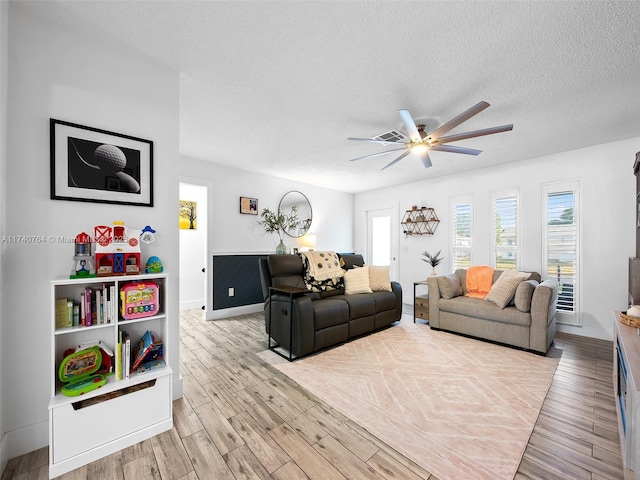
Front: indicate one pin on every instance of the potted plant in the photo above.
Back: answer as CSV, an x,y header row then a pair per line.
x,y
279,222
432,260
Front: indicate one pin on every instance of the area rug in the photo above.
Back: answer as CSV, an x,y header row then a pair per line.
x,y
458,407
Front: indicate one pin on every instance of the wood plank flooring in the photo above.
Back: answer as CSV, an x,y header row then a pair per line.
x,y
242,419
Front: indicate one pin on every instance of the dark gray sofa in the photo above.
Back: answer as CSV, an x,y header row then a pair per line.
x,y
324,319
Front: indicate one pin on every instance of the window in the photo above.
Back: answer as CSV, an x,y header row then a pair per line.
x,y
461,232
561,247
506,230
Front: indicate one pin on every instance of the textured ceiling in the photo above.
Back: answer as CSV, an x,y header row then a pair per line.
x,y
277,87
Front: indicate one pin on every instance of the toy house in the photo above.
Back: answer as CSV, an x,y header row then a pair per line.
x,y
117,250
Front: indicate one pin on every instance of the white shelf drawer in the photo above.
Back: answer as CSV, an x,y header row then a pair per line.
x,y
78,431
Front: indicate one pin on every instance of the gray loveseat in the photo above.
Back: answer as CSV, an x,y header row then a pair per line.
x,y
323,319
527,322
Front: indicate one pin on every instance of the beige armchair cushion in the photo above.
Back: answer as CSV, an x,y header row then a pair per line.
x,y
524,293
449,285
505,287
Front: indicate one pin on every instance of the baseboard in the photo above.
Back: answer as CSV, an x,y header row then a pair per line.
x,y
191,304
233,311
24,440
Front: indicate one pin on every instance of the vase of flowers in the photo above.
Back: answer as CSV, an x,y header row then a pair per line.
x,y
432,260
279,222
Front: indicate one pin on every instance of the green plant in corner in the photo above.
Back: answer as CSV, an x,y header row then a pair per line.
x,y
279,222
432,260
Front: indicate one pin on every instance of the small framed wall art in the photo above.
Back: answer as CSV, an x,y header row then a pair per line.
x,y
248,205
188,215
93,165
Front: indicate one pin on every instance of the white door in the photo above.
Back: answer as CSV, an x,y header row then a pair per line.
x,y
382,239
194,274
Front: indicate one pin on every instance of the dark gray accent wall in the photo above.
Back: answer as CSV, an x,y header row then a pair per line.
x,y
240,272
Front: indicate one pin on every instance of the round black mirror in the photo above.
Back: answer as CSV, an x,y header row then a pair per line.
x,y
297,201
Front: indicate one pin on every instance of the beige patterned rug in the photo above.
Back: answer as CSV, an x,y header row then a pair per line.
x,y
460,408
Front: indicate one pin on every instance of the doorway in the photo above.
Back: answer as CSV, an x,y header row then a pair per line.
x,y
382,239
193,246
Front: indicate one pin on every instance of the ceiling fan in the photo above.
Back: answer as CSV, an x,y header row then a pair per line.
x,y
420,142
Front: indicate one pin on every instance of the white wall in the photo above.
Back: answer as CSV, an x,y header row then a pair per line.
x,y
59,73
4,40
608,221
193,256
232,232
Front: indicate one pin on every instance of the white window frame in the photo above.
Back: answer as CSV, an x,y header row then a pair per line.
x,y
454,201
563,317
497,195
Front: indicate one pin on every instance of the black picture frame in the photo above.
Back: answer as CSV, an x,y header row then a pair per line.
x,y
93,165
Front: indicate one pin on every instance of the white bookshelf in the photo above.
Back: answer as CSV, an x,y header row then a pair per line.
x,y
123,412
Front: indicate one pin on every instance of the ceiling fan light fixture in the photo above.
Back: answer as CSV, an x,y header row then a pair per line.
x,y
419,148
420,141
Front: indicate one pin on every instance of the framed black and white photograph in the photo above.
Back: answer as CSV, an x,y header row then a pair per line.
x,y
93,165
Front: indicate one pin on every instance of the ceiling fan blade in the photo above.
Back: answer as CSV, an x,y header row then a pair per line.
x,y
396,160
384,142
412,130
454,122
454,149
376,154
426,161
475,133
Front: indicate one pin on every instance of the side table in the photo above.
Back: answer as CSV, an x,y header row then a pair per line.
x,y
292,292
420,303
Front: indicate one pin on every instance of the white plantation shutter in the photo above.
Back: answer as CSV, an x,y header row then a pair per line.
x,y
561,242
506,230
462,231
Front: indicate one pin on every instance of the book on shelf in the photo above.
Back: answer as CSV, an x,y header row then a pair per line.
x,y
97,305
125,354
113,305
83,310
151,365
119,359
97,300
146,349
88,310
64,313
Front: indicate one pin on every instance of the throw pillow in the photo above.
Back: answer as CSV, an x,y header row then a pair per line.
x,y
524,293
505,287
449,285
356,280
379,278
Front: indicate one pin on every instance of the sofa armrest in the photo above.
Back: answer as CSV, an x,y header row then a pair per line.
x,y
303,323
434,301
396,288
543,313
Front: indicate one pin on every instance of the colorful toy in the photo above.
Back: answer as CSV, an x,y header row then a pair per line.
x,y
77,371
108,357
139,299
154,265
146,235
117,250
83,266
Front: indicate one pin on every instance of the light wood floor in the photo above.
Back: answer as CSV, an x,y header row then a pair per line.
x,y
242,419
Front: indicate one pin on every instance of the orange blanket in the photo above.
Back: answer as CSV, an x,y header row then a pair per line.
x,y
479,280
